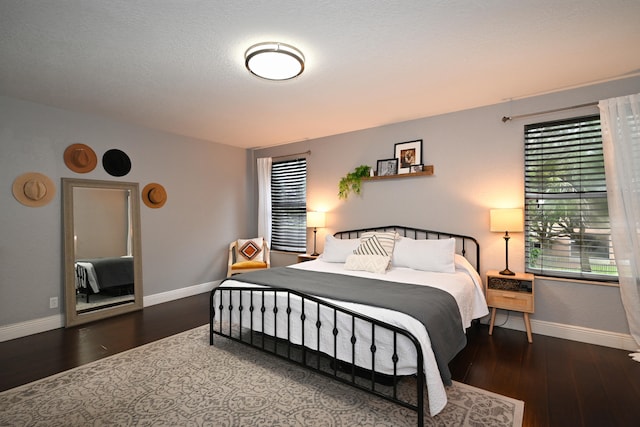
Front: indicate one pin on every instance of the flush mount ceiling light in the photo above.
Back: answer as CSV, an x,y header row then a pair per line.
x,y
274,61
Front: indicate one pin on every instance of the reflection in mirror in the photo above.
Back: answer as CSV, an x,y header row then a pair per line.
x,y
103,271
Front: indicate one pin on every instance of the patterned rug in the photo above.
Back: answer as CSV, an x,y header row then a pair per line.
x,y
182,381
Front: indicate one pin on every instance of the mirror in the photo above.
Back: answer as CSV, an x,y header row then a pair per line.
x,y
102,256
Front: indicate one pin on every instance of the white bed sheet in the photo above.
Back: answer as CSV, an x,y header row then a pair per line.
x,y
464,285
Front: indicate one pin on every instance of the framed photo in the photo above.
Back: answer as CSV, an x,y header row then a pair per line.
x,y
408,154
387,167
416,168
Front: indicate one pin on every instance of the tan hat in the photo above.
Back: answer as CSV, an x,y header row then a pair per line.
x,y
80,158
33,189
154,195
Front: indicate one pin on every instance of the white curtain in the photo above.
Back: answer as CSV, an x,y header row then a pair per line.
x,y
621,142
264,198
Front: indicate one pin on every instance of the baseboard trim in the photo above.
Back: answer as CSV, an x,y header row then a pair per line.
x,y
30,327
150,300
571,332
557,330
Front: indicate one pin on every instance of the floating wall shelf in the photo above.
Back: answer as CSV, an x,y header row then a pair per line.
x,y
427,171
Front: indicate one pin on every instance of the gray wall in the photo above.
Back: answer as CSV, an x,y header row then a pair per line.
x,y
212,196
478,163
184,243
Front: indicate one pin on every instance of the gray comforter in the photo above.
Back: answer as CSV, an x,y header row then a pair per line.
x,y
437,310
112,272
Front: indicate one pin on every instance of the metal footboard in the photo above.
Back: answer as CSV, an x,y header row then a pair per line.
x,y
289,325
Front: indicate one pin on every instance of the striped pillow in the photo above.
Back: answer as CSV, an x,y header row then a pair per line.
x,y
371,246
386,238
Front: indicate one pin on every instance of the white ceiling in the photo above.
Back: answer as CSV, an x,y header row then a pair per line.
x,y
178,65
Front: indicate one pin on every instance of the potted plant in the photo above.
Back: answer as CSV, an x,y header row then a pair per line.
x,y
352,182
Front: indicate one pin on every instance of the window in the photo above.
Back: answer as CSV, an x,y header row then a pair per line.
x,y
289,205
566,213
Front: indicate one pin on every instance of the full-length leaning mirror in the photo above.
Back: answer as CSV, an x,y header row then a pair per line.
x,y
102,256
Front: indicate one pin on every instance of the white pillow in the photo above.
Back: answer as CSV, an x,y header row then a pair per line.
x,y
337,250
437,255
372,263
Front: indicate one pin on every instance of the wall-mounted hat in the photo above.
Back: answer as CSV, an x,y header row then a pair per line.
x,y
80,158
154,195
116,162
33,189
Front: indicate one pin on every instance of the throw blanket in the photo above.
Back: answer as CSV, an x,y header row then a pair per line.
x,y
436,309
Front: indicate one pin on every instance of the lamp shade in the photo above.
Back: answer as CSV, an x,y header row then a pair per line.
x,y
506,220
274,61
315,219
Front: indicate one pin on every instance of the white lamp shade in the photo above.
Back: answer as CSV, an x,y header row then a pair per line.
x,y
506,220
315,219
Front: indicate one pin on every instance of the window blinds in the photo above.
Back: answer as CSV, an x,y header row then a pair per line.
x,y
566,212
289,205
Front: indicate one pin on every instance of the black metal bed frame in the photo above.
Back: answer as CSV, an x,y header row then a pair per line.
x,y
253,300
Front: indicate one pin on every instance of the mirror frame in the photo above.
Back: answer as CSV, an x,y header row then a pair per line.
x,y
72,318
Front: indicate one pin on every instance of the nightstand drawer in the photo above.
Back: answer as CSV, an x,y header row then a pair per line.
x,y
509,284
510,300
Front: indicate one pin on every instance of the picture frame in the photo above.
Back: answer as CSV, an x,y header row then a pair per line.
x,y
416,168
387,167
408,154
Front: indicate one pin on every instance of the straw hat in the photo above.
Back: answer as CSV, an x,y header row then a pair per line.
x,y
154,195
33,189
116,162
80,158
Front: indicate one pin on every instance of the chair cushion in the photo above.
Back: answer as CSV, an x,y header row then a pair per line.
x,y
250,250
248,264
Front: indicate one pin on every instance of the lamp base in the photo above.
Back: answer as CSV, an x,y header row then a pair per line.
x,y
315,254
507,272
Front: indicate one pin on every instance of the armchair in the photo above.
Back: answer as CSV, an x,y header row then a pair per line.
x,y
245,256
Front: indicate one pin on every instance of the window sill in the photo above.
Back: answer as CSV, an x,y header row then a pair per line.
x,y
274,251
578,281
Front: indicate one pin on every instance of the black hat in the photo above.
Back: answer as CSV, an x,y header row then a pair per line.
x,y
116,162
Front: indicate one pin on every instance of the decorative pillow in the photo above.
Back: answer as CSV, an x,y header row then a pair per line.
x,y
386,238
337,250
426,255
250,250
372,263
371,246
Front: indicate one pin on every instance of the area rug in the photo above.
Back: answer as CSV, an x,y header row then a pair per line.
x,y
182,381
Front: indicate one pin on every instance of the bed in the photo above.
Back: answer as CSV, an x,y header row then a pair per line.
x,y
109,274
354,322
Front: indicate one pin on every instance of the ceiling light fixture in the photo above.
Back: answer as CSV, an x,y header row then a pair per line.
x,y
274,61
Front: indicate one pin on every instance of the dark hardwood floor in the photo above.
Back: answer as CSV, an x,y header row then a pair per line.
x,y
563,383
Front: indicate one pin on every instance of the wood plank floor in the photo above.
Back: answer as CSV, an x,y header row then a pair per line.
x,y
563,383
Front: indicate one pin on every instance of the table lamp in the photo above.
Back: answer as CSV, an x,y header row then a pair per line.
x,y
506,220
315,220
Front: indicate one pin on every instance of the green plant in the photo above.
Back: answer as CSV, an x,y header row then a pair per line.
x,y
352,182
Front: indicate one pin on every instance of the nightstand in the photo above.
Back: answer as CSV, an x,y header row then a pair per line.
x,y
307,257
511,293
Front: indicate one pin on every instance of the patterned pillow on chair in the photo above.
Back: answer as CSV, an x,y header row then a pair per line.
x,y
250,250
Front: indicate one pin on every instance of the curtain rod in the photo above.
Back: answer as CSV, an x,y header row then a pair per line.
x,y
292,155
508,118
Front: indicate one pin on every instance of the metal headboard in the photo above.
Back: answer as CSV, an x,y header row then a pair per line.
x,y
466,246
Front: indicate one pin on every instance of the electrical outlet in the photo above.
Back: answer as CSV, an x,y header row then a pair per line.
x,y
53,302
